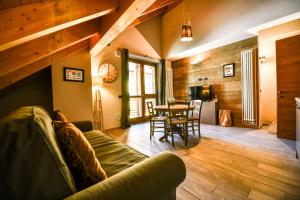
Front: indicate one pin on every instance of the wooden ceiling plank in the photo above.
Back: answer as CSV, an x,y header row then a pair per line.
x,y
30,69
158,8
24,23
4,4
158,4
148,16
15,58
113,24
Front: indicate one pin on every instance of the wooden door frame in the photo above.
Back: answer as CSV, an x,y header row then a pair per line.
x,y
143,95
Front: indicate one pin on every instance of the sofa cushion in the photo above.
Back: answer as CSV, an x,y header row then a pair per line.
x,y
59,116
79,154
32,166
113,155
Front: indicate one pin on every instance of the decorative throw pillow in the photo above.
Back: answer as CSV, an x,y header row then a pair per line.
x,y
59,116
79,154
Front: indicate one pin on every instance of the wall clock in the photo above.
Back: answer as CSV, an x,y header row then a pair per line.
x,y
108,72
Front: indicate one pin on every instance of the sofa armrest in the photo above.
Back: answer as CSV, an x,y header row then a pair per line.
x,y
153,178
84,126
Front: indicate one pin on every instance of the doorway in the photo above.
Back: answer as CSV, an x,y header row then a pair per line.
x,y
288,85
142,89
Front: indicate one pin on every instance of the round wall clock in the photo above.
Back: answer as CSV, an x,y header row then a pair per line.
x,y
108,72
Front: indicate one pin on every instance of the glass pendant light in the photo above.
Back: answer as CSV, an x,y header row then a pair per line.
x,y
186,30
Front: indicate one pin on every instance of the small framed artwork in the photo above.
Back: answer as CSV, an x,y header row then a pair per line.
x,y
228,70
73,74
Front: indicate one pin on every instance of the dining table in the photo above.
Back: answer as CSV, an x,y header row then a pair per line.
x,y
179,107
165,108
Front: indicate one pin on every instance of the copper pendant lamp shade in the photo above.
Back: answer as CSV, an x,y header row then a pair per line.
x,y
186,29
186,33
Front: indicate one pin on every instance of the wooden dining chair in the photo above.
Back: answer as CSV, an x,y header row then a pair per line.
x,y
156,122
177,122
195,117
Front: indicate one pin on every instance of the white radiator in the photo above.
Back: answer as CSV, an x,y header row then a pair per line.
x,y
248,83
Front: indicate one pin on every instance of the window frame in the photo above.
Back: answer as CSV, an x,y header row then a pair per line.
x,y
144,96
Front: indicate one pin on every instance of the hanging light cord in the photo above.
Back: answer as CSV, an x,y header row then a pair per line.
x,y
188,8
188,13
184,21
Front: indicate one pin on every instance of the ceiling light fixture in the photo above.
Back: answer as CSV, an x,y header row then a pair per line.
x,y
186,30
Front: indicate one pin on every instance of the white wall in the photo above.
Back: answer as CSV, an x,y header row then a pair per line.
x,y
133,40
151,31
219,22
74,99
267,69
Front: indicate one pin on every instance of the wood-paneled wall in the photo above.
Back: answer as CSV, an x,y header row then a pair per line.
x,y
227,90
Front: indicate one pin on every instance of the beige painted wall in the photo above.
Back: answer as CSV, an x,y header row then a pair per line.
x,y
73,98
133,40
151,31
219,22
267,69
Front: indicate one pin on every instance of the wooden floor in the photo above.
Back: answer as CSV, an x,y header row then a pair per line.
x,y
225,168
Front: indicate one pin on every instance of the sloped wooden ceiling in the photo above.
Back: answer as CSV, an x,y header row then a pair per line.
x,y
34,34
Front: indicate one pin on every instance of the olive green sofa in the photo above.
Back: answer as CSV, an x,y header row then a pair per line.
x,y
33,167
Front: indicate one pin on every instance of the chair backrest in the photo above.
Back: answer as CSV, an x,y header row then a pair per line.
x,y
198,107
178,112
150,108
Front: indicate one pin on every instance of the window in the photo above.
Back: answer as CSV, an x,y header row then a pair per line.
x,y
149,76
134,79
142,88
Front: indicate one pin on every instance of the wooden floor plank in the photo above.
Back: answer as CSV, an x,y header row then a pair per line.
x,y
182,194
258,195
199,191
225,167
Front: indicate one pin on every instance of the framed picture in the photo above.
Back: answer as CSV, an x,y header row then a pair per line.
x,y
228,70
73,74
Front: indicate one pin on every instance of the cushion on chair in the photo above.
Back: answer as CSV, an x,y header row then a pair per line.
x,y
159,118
32,166
193,118
79,154
178,120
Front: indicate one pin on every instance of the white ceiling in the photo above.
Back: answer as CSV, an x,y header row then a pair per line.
x,y
219,22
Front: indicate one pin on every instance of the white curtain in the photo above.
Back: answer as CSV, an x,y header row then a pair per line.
x,y
169,83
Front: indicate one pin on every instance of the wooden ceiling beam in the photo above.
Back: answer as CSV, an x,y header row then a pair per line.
x,y
148,16
158,4
17,57
158,8
32,68
113,24
24,23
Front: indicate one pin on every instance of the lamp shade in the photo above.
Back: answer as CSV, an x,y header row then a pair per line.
x,y
97,81
186,33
